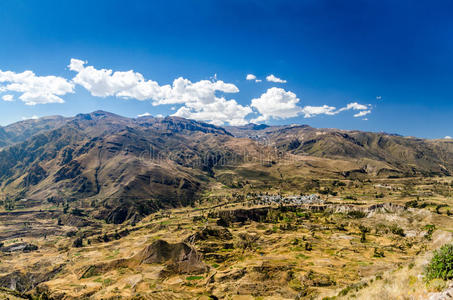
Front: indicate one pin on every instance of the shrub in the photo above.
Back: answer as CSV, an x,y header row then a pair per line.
x,y
378,253
412,203
441,265
357,214
71,233
429,231
395,229
77,212
78,242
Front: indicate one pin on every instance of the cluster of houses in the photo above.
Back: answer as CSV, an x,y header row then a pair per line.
x,y
289,200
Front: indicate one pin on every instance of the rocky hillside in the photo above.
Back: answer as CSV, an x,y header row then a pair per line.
x,y
381,154
21,131
122,169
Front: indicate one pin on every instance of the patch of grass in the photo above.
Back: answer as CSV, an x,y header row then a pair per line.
x,y
436,285
114,254
353,287
90,272
191,278
98,280
302,256
297,248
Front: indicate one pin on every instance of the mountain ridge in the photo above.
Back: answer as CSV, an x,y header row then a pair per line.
x,y
125,168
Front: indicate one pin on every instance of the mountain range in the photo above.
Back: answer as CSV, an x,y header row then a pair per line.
x,y
121,169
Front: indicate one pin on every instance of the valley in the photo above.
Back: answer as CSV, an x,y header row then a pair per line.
x,y
100,206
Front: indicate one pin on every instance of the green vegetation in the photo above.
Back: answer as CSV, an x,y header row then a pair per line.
x,y
190,278
441,265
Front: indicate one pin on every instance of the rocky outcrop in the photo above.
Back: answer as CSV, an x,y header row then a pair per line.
x,y
19,247
26,281
178,258
217,233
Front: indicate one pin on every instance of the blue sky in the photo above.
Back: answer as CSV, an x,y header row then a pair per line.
x,y
330,53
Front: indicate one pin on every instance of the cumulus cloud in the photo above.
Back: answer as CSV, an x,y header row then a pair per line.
x,y
448,137
250,77
354,106
362,113
8,98
272,78
276,103
219,112
199,99
311,111
104,82
362,108
35,89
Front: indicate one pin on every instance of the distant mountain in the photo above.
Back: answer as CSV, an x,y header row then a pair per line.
x,y
403,156
119,168
21,131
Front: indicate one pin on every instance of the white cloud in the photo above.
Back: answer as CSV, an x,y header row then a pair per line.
x,y
146,114
159,116
218,112
272,78
363,109
183,91
35,89
276,103
250,77
8,98
200,100
34,117
354,106
448,137
104,83
378,97
362,113
311,111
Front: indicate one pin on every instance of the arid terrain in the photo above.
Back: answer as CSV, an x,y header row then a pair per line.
x,y
100,206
